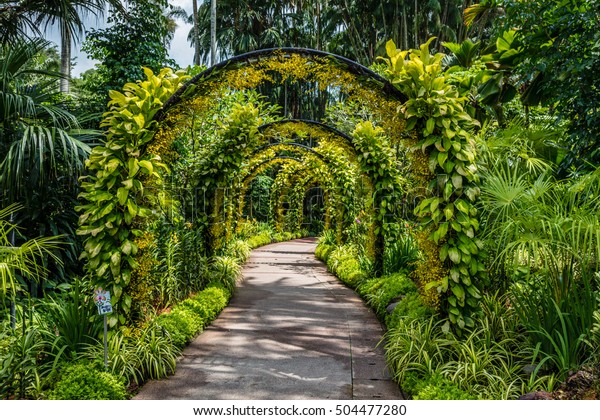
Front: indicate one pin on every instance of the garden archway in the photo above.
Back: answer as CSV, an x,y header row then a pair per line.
x,y
431,161
323,73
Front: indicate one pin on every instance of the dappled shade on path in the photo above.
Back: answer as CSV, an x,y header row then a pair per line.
x,y
291,331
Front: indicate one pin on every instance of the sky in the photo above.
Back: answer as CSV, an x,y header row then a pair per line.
x,y
180,50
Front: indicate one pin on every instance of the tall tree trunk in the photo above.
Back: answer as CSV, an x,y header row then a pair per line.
x,y
65,57
196,33
319,46
396,36
213,32
404,28
388,33
358,44
416,18
443,23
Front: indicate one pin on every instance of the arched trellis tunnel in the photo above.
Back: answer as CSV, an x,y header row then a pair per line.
x,y
330,75
365,165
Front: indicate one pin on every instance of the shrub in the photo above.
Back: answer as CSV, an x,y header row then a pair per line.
x,y
322,251
341,254
355,278
214,299
328,237
19,355
343,261
434,387
261,239
415,345
71,323
153,353
327,252
558,324
247,228
189,317
488,363
123,360
439,388
337,255
180,325
198,309
156,352
240,250
84,381
349,272
278,237
411,306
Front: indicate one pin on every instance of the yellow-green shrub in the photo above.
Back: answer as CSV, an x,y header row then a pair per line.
x,y
189,317
84,381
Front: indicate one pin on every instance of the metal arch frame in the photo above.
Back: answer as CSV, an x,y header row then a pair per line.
x,y
309,179
255,56
298,145
328,128
265,161
301,146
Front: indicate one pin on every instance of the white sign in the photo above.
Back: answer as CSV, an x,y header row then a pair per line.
x,y
102,300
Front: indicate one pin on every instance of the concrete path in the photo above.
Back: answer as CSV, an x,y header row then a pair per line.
x,y
291,331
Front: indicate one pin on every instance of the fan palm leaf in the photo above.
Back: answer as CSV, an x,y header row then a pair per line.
x,y
37,137
23,260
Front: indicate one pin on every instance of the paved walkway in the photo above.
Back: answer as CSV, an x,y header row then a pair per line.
x,y
291,331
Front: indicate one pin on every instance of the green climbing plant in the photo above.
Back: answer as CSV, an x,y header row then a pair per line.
x,y
436,111
119,191
376,159
215,168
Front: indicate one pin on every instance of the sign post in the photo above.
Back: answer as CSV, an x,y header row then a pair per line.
x,y
102,300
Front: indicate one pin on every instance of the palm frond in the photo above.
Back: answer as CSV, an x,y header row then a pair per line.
x,y
23,260
36,154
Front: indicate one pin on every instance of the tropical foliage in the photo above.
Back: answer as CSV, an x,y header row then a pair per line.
x,y
127,45
354,29
42,148
454,183
115,193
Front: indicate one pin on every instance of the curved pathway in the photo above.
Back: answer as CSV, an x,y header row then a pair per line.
x,y
291,331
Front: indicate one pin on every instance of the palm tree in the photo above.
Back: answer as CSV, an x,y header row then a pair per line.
x,y
478,17
196,33
352,28
19,18
22,260
171,14
42,150
35,135
69,14
213,32
16,21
